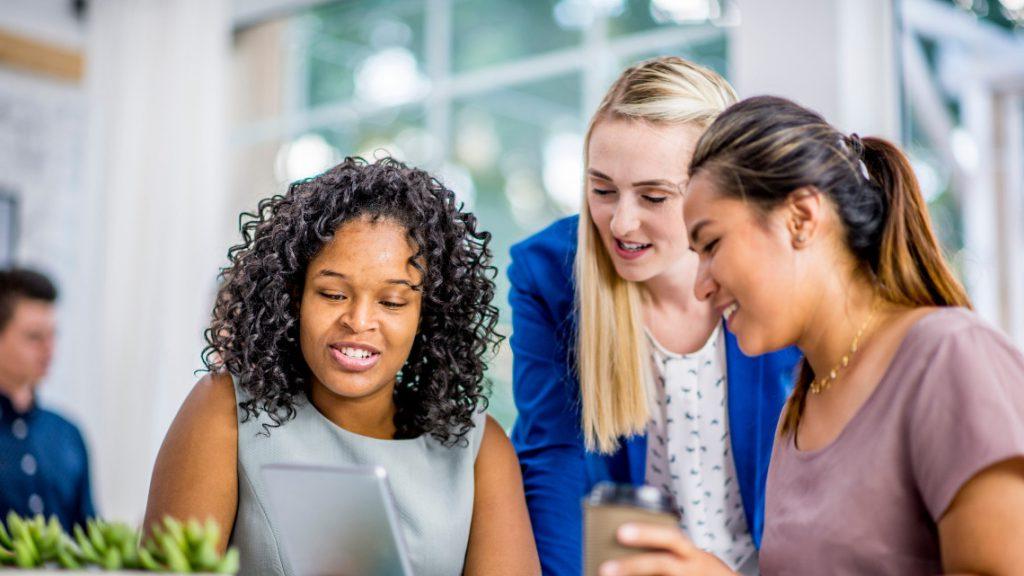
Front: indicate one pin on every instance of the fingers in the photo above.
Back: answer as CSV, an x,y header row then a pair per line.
x,y
674,551
667,538
651,564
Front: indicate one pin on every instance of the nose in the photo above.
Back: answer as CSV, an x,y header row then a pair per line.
x,y
625,219
45,349
704,287
360,315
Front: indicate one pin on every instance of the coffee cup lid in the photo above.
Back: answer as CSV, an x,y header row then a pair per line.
x,y
647,497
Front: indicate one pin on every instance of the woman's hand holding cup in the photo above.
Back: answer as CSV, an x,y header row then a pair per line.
x,y
667,552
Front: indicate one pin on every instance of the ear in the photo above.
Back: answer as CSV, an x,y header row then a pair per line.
x,y
804,212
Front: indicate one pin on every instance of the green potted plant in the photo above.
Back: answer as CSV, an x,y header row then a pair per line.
x,y
173,546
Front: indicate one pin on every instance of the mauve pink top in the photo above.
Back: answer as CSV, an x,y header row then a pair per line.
x,y
950,404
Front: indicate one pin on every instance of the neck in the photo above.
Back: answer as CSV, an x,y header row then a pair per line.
x,y
669,303
372,416
21,394
842,307
673,289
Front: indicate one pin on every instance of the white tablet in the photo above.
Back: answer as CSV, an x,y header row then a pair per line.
x,y
336,521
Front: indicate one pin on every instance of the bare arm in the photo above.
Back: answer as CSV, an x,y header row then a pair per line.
x,y
982,530
196,474
500,539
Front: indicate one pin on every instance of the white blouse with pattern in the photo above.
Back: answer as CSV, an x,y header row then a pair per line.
x,y
689,453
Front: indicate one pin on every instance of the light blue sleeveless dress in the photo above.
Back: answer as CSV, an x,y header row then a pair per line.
x,y
433,486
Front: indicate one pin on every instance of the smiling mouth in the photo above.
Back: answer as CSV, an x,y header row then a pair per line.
x,y
631,246
354,359
729,310
357,353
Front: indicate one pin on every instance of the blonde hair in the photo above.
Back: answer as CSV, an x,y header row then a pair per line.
x,y
611,349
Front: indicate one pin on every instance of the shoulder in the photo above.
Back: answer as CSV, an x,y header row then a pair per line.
x,y
215,390
559,236
955,335
211,404
541,270
552,250
959,384
205,430
493,443
62,429
939,323
482,423
55,421
952,356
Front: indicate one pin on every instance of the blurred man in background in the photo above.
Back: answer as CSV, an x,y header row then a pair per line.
x,y
44,465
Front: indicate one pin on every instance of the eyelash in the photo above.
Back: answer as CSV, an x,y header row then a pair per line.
x,y
710,246
651,199
385,303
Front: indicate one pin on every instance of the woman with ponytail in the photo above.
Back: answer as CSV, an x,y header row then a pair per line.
x,y
901,449
620,374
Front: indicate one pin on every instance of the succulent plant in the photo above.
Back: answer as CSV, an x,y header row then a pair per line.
x,y
189,547
36,542
110,545
172,547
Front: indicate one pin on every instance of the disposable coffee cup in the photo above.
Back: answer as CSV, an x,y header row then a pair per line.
x,y
609,506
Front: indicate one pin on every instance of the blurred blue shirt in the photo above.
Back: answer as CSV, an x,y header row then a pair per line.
x,y
44,466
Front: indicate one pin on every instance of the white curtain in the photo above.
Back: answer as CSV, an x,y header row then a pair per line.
x,y
153,233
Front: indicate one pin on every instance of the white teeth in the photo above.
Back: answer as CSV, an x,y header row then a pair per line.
x,y
728,311
355,352
632,246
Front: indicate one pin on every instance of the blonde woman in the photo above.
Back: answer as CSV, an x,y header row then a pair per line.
x,y
620,373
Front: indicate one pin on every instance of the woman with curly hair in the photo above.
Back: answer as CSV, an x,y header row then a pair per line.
x,y
350,329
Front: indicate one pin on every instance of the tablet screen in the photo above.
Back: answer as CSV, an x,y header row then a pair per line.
x,y
335,521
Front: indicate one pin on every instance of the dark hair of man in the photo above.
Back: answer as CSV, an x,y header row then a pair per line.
x,y
18,283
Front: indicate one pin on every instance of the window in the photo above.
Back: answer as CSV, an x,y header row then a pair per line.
x,y
492,96
964,133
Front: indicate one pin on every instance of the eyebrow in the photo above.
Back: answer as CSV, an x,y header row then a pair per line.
x,y
656,183
695,231
394,281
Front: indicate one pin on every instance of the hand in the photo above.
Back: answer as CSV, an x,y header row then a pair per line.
x,y
670,553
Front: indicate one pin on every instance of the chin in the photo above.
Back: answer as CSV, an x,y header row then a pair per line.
x,y
629,276
756,345
750,348
350,387
635,273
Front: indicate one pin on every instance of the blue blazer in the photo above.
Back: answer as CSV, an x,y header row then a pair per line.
x,y
557,470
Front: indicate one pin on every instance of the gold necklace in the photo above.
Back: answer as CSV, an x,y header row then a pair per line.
x,y
820,385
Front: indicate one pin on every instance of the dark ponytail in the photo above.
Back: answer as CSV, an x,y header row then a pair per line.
x,y
764,148
911,269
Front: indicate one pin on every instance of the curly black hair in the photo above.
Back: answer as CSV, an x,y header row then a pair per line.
x,y
254,333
